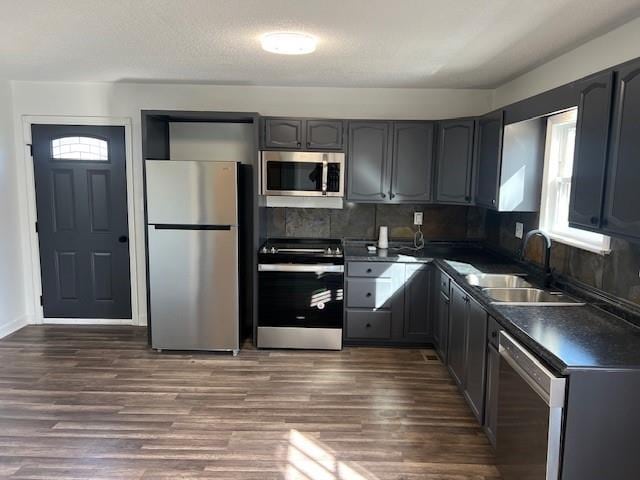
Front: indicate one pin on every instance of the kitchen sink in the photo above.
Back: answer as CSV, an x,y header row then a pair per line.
x,y
529,297
493,280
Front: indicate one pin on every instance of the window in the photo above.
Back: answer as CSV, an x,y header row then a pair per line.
x,y
79,148
556,186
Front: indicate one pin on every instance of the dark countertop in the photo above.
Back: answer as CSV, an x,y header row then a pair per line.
x,y
567,338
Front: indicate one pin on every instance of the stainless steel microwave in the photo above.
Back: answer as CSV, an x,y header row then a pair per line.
x,y
303,174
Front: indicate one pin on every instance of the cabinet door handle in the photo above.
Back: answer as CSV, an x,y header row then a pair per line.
x,y
383,195
369,270
368,294
594,220
368,325
494,334
391,195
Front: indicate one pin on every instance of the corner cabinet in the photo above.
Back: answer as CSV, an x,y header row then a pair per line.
x,y
488,153
621,213
454,162
302,134
591,148
390,162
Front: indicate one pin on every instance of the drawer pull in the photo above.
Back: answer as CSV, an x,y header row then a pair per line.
x,y
368,294
494,334
368,325
369,270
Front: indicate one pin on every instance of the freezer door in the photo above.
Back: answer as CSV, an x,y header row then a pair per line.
x,y
192,193
193,286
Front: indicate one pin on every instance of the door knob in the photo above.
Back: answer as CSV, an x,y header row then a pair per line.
x,y
123,239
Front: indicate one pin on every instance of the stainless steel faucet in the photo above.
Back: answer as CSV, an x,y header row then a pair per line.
x,y
547,253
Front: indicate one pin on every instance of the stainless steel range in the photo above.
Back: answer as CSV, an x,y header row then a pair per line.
x,y
300,294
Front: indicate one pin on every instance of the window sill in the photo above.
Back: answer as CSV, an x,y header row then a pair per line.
x,y
572,242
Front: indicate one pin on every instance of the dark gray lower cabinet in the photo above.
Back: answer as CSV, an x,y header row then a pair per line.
x,y
442,344
491,395
468,347
457,357
476,358
388,303
417,313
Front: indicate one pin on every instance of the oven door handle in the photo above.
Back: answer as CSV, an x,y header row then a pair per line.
x,y
287,267
325,176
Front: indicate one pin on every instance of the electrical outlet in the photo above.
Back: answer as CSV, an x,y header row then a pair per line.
x,y
519,230
417,218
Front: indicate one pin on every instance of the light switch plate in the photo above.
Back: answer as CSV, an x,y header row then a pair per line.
x,y
417,218
519,230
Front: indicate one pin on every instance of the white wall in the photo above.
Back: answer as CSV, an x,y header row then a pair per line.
x,y
612,48
126,100
12,296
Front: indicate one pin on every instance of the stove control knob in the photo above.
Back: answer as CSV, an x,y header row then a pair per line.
x,y
264,250
337,250
273,250
329,251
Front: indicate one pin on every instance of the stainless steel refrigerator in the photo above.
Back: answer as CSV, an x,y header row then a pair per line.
x,y
192,213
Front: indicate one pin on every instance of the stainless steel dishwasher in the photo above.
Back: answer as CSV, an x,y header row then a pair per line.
x,y
531,401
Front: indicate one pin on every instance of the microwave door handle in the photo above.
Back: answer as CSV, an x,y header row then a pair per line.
x,y
325,175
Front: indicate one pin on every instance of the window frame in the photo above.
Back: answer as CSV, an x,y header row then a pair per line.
x,y
574,237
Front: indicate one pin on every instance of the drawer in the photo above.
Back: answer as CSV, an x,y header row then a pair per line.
x,y
369,292
370,269
444,283
368,325
493,331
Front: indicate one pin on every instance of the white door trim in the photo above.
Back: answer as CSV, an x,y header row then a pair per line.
x,y
30,201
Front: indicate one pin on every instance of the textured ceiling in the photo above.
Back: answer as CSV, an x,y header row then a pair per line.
x,y
363,43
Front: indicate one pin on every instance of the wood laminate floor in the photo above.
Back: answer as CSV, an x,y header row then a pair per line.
x,y
95,402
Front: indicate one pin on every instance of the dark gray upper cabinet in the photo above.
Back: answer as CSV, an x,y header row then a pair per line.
x,y
454,162
418,326
368,161
302,134
285,133
324,135
457,355
476,358
412,164
488,153
591,149
621,212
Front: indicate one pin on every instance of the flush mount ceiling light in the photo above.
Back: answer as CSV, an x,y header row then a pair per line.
x,y
289,43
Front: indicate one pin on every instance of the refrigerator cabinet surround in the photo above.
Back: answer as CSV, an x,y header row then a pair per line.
x,y
193,255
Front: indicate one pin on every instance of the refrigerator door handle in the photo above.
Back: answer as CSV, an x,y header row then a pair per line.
x,y
165,226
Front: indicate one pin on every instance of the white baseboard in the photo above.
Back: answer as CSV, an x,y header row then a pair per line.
x,y
87,321
142,320
13,325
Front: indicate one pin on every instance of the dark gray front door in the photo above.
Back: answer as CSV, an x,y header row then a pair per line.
x,y
81,199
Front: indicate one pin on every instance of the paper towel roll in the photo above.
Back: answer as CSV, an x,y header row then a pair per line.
x,y
383,238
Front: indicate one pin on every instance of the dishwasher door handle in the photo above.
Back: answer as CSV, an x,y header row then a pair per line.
x,y
545,383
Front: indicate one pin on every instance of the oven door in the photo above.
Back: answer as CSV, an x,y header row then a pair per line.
x,y
309,174
307,296
530,407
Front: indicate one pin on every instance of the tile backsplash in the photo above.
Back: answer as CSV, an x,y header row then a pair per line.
x,y
362,222
615,273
